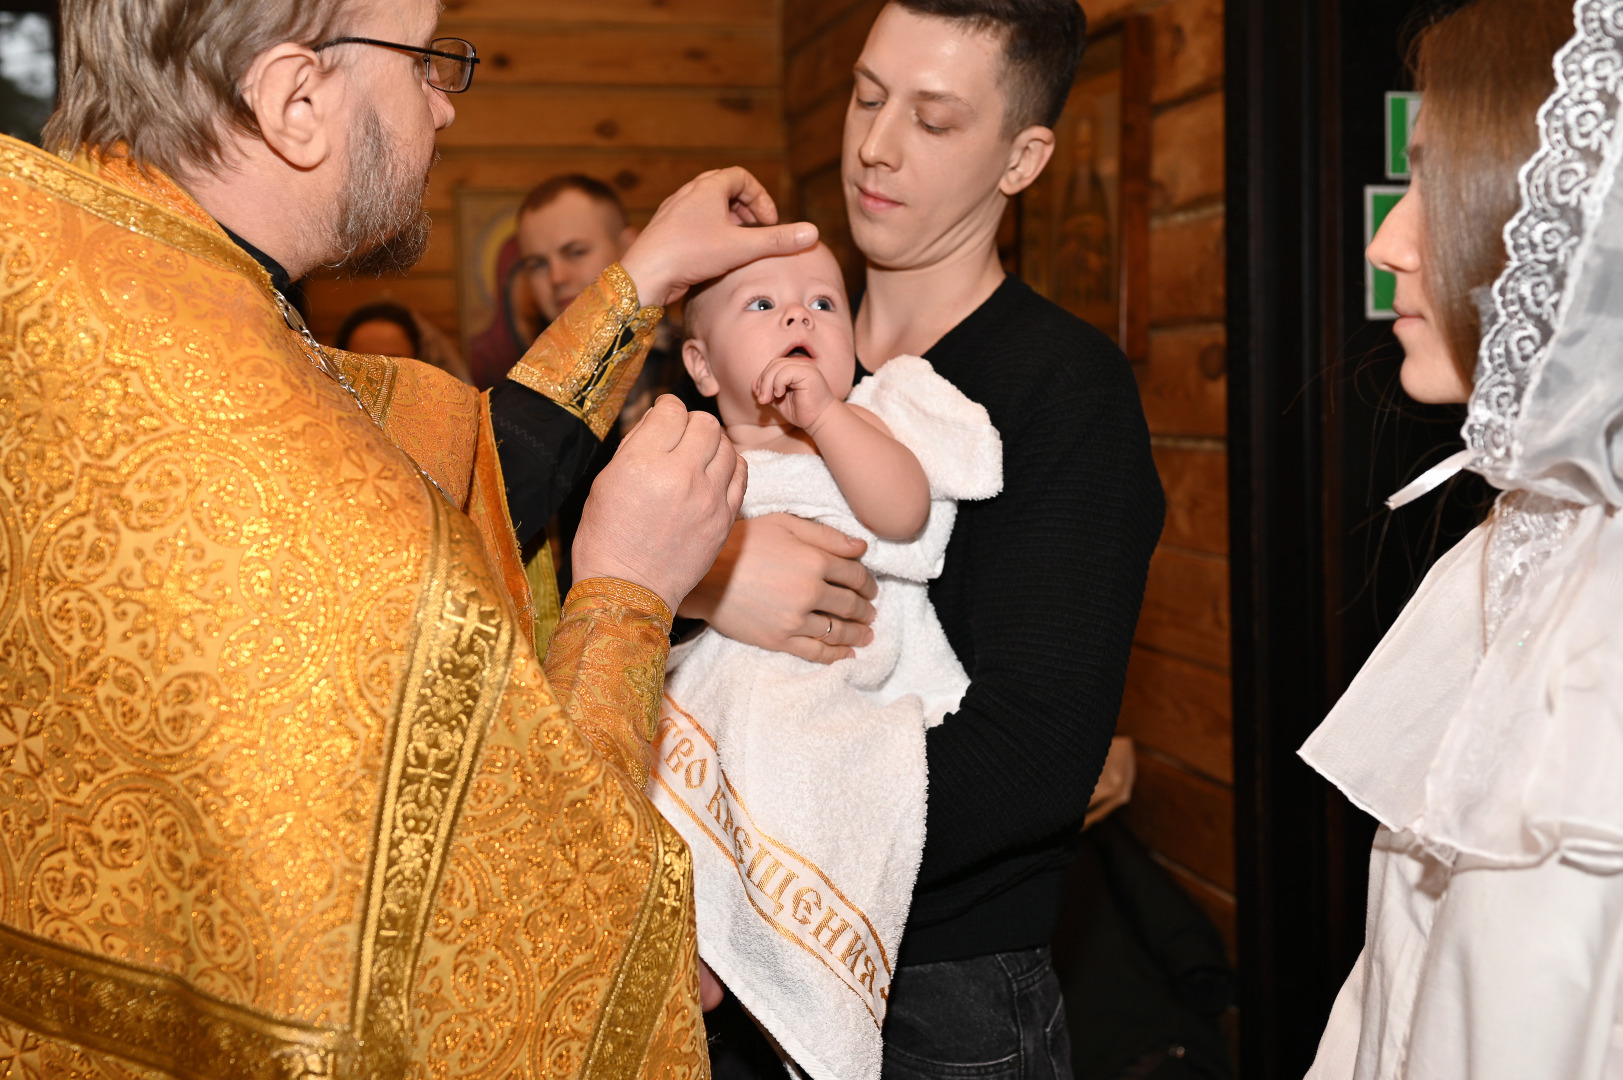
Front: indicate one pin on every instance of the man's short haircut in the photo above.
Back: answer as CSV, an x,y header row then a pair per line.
x,y
163,77
547,192
1043,42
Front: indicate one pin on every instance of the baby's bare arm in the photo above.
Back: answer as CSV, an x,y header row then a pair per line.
x,y
879,477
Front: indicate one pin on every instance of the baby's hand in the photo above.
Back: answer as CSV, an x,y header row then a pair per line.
x,y
797,389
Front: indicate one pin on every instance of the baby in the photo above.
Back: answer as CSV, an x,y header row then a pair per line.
x,y
800,787
773,344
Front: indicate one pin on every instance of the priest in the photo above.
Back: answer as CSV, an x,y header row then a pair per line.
x,y
286,790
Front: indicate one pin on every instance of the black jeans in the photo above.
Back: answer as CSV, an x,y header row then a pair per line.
x,y
997,1017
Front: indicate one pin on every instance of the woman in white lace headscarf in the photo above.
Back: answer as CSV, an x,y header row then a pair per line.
x,y
1486,731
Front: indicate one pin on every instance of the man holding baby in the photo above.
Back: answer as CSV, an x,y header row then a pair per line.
x,y
950,118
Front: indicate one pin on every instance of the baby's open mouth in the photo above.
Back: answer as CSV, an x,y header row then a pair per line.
x,y
799,350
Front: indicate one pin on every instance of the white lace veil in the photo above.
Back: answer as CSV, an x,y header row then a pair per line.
x,y
1547,409
1488,725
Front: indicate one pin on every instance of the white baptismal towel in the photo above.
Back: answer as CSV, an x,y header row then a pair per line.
x,y
799,786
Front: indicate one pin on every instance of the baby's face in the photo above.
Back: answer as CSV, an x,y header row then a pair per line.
x,y
788,305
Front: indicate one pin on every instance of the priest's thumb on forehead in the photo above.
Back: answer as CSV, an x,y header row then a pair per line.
x,y
759,241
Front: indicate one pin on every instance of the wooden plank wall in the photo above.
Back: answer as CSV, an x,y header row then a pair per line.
x,y
1177,704
643,93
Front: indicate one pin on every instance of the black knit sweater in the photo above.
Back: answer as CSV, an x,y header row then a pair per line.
x,y
1039,598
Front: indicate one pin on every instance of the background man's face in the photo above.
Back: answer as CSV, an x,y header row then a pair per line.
x,y
924,142
566,245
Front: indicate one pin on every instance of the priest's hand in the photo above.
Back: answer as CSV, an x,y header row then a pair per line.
x,y
789,585
661,510
702,232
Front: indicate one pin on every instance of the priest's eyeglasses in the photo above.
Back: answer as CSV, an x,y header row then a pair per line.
x,y
449,61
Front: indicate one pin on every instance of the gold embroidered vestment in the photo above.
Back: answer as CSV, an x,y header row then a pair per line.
x,y
284,791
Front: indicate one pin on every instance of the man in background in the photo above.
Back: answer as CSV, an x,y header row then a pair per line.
x,y
571,228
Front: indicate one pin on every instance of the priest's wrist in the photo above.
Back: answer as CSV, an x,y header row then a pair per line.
x,y
627,593
656,286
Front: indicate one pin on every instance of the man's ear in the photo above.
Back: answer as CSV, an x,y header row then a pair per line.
x,y
293,98
697,361
1028,157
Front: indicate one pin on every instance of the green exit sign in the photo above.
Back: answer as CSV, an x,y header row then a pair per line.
x,y
1401,111
1380,286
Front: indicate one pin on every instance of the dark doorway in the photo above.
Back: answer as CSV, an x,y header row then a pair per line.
x,y
1320,435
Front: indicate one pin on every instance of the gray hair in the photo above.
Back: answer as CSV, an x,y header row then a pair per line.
x,y
162,77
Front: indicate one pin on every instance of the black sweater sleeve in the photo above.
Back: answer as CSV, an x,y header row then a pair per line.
x,y
544,450
1040,600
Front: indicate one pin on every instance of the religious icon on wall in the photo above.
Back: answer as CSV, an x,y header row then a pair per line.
x,y
27,72
1072,215
497,311
1077,221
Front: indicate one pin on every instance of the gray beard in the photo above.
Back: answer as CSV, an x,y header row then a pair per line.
x,y
382,226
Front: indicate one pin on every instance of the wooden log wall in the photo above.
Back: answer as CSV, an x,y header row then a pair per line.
x,y
643,93
1177,704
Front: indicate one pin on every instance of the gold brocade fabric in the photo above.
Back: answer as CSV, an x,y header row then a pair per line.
x,y
283,791
591,355
543,578
603,621
432,416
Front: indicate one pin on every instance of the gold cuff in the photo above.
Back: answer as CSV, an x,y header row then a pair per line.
x,y
624,593
588,358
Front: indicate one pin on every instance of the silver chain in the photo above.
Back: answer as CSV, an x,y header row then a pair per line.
x,y
317,355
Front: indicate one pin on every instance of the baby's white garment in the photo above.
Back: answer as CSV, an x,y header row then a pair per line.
x,y
800,787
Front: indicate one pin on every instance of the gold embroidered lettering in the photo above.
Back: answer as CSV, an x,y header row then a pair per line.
x,y
760,855
763,854
714,805
801,900
741,844
866,978
777,895
836,932
678,752
688,777
852,951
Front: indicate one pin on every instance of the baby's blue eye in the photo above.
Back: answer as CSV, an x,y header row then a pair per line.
x,y
760,303
822,303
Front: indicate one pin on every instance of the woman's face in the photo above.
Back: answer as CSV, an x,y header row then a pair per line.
x,y
1429,373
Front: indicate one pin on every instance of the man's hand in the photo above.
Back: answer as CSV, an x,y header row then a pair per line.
x,y
711,992
781,581
700,233
796,389
662,509
1115,787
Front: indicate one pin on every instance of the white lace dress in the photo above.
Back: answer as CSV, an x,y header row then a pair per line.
x,y
1486,731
